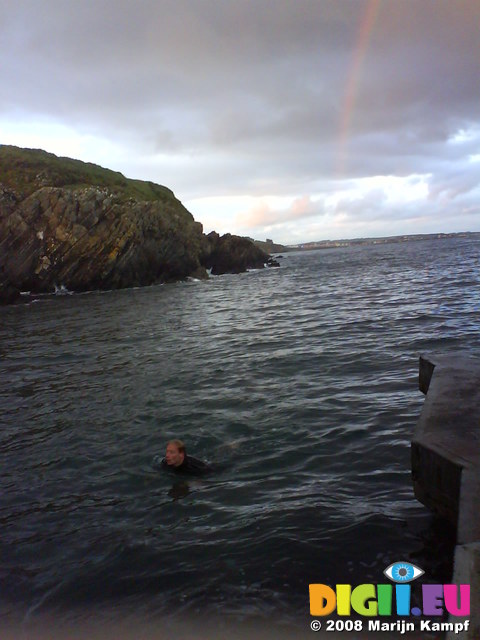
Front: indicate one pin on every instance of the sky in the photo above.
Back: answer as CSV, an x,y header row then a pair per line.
x,y
295,120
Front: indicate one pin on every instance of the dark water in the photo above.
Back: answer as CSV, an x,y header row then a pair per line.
x,y
300,382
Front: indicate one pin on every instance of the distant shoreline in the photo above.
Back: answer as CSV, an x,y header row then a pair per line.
x,y
333,244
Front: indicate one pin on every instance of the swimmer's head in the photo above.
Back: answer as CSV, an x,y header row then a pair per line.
x,y
175,453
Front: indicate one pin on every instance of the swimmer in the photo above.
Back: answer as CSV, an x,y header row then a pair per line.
x,y
176,460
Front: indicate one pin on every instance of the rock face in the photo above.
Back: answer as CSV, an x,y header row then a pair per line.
x,y
88,239
64,222
233,254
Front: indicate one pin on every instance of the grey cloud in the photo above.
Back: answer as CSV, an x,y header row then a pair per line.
x,y
254,96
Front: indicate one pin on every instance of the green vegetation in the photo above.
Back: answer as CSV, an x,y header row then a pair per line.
x,y
26,170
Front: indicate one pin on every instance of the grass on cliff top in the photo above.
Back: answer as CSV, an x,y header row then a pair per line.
x,y
26,170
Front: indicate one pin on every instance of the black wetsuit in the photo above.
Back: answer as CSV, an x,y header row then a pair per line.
x,y
189,467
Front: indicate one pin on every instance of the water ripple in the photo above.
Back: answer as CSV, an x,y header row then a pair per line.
x,y
299,383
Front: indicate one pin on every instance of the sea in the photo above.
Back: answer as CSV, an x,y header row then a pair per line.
x,y
298,383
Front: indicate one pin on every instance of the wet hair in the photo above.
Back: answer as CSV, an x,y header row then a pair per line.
x,y
179,444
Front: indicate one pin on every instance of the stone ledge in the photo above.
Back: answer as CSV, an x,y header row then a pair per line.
x,y
467,571
446,463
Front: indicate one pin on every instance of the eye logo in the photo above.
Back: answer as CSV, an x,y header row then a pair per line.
x,y
403,572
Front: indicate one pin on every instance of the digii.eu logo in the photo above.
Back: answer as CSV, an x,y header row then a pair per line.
x,y
376,600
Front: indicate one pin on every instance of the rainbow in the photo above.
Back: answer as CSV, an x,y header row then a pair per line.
x,y
365,30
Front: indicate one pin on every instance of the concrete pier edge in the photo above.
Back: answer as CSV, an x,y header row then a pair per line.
x,y
446,464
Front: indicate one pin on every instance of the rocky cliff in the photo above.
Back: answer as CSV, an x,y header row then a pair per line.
x,y
65,222
233,254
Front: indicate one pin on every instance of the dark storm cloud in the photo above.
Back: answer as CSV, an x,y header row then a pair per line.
x,y
111,60
257,94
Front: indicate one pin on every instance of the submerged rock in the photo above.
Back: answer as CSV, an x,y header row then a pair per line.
x,y
67,223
